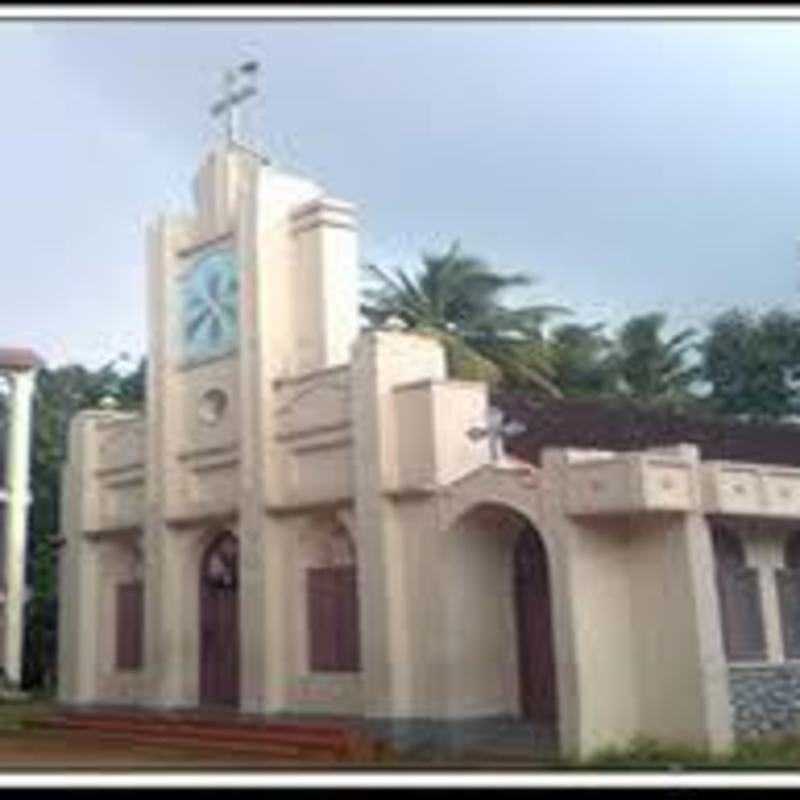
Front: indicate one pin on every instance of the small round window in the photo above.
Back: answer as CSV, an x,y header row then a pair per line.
x,y
212,406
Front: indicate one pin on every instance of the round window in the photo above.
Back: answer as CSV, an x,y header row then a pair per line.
x,y
212,406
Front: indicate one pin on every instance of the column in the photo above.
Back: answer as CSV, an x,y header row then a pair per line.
x,y
382,361
17,466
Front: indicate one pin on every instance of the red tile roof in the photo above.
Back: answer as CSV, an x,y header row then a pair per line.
x,y
620,425
19,358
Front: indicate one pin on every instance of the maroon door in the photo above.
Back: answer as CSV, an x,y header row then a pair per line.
x,y
219,623
534,630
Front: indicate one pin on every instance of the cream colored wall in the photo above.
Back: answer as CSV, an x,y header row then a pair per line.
x,y
79,566
313,430
667,655
307,691
382,361
477,643
434,417
648,649
601,627
416,448
324,283
118,564
267,350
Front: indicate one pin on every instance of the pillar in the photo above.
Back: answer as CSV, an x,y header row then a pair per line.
x,y
381,361
17,466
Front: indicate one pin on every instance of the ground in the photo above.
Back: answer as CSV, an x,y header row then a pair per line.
x,y
23,747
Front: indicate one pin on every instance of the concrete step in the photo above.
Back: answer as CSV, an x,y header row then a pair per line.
x,y
298,736
293,741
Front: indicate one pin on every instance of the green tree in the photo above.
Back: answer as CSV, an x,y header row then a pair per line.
x,y
60,394
653,367
455,297
582,359
752,364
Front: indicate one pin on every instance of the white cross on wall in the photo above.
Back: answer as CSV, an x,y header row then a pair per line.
x,y
496,430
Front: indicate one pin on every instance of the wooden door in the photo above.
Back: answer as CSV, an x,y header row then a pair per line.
x,y
534,630
333,624
219,623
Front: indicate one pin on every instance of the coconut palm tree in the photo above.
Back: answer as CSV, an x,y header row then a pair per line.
x,y
455,298
583,358
651,366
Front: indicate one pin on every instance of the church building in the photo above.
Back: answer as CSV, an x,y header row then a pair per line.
x,y
311,519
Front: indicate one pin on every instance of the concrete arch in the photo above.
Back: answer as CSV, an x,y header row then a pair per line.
x,y
518,492
219,623
184,551
492,666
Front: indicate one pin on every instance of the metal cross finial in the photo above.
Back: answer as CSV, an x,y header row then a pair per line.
x,y
233,96
496,430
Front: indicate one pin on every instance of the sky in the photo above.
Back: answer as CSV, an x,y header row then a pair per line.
x,y
628,166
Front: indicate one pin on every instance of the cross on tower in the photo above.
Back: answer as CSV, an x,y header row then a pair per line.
x,y
233,96
496,430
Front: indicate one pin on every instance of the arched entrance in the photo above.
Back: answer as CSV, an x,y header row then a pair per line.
x,y
535,657
497,635
219,622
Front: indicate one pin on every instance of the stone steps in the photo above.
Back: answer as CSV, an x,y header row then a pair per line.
x,y
292,741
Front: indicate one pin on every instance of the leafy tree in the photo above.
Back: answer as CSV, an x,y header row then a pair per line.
x,y
651,367
582,358
752,364
455,297
60,394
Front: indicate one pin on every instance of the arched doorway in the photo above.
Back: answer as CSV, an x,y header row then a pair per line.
x,y
219,622
497,633
535,656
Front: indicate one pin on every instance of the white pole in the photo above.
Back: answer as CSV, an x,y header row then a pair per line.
x,y
16,511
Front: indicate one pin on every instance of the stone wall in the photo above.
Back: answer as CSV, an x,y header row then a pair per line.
x,y
765,699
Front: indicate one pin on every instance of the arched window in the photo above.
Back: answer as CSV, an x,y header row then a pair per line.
x,y
739,598
787,581
332,601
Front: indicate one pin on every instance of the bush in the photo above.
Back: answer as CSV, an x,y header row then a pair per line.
x,y
778,751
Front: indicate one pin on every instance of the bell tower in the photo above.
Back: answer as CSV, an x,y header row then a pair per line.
x,y
258,282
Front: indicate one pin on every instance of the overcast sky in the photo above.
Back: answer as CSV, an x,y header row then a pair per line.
x,y
630,166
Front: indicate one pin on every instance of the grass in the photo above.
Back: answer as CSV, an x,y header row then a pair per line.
x,y
775,752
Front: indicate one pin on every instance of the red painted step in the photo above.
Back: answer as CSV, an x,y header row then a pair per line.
x,y
340,739
208,728
238,748
214,724
261,750
293,741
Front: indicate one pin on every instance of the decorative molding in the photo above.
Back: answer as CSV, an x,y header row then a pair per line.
x,y
105,472
327,224
291,508
191,249
195,513
303,377
114,530
306,433
222,449
186,365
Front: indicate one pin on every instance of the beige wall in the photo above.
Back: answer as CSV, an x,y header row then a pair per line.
x,y
118,563
476,645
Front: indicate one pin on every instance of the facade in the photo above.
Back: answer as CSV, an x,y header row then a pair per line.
x,y
300,524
